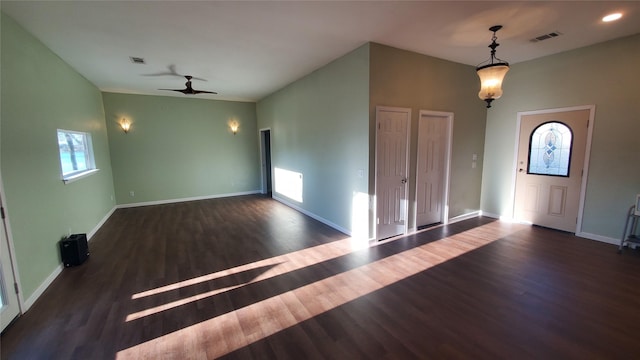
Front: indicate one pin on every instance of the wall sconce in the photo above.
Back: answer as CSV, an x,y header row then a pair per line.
x,y
125,125
492,72
234,126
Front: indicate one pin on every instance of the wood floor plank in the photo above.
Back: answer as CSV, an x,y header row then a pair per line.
x,y
249,278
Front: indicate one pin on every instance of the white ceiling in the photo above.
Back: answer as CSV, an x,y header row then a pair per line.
x,y
248,49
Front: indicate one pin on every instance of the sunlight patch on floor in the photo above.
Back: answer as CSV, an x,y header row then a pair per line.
x,y
231,331
280,265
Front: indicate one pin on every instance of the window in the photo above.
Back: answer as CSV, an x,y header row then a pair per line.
x,y
550,149
76,154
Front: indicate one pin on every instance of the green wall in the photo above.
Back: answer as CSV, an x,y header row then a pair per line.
x,y
323,126
401,78
605,75
181,148
319,127
41,93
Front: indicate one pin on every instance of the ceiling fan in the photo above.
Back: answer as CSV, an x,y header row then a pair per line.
x,y
189,90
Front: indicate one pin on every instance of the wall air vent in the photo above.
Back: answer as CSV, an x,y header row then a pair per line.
x,y
546,36
137,60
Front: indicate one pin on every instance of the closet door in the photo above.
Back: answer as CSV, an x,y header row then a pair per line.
x,y
432,167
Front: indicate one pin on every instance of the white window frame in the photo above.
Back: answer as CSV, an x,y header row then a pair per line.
x,y
89,158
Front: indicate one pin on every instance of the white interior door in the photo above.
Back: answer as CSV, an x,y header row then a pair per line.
x,y
8,295
432,168
392,148
550,165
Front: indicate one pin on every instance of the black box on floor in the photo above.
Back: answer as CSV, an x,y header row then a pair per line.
x,y
74,249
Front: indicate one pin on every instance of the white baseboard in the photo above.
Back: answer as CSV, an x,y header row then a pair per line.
x,y
38,292
58,270
596,237
491,215
312,215
454,219
195,198
100,223
466,216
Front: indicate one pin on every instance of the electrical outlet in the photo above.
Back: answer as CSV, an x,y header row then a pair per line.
x,y
131,193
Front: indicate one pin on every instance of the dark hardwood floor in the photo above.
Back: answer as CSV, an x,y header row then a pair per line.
x,y
249,278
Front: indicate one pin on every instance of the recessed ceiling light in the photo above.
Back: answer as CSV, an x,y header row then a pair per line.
x,y
612,17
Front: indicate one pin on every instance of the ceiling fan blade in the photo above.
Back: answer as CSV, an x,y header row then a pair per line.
x,y
204,92
190,91
178,90
162,74
189,78
172,72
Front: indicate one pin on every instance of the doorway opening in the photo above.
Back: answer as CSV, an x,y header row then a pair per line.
x,y
265,159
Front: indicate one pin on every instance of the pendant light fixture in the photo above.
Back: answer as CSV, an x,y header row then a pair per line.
x,y
492,72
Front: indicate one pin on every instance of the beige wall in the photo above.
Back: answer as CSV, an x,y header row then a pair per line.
x,y
605,75
406,79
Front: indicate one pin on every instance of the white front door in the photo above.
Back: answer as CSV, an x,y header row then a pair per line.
x,y
392,149
431,170
8,296
550,165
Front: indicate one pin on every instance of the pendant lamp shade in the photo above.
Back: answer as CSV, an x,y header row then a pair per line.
x,y
492,72
491,77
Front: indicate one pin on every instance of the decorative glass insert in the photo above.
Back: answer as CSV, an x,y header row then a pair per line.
x,y
550,149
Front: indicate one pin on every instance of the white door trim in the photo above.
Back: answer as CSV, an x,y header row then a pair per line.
x,y
12,250
447,162
585,174
406,204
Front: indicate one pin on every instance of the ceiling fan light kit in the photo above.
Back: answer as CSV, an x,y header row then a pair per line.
x,y
492,72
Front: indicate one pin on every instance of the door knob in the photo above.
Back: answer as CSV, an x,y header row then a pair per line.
x,y
404,180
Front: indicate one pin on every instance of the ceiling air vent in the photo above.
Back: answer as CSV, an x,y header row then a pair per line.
x,y
546,36
137,60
